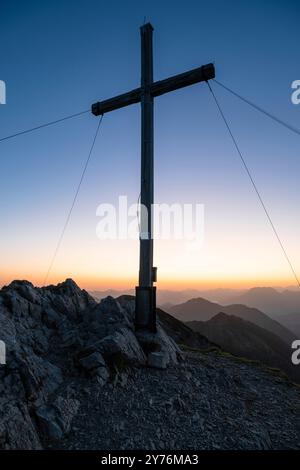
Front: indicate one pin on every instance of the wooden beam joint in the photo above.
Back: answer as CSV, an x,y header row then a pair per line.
x,y
200,74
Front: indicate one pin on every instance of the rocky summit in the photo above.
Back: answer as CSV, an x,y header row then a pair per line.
x,y
78,376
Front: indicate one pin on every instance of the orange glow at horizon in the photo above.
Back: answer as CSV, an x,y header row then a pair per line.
x,y
175,283
233,260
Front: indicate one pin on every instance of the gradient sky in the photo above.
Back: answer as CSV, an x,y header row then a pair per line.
x,y
58,57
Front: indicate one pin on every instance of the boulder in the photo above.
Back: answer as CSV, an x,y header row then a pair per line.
x,y
55,420
47,422
17,430
158,360
101,374
121,346
93,361
160,342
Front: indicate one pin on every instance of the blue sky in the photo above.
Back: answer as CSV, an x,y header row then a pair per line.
x,y
58,57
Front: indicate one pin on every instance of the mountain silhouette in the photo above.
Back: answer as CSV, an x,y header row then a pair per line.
x,y
270,300
291,321
200,309
243,338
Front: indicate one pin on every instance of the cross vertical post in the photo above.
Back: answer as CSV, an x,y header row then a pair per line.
x,y
145,292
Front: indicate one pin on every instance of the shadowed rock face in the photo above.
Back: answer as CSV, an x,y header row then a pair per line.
x,y
54,335
38,327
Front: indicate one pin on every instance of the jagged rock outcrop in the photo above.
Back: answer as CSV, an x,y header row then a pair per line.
x,y
33,325
155,342
55,335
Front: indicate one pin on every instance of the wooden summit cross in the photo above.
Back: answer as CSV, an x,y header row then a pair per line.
x,y
145,303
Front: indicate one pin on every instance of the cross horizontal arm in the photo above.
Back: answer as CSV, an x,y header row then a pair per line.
x,y
101,107
200,74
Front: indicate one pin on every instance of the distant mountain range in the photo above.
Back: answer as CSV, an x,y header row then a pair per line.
x,y
101,294
281,305
245,339
173,297
272,301
202,310
291,321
